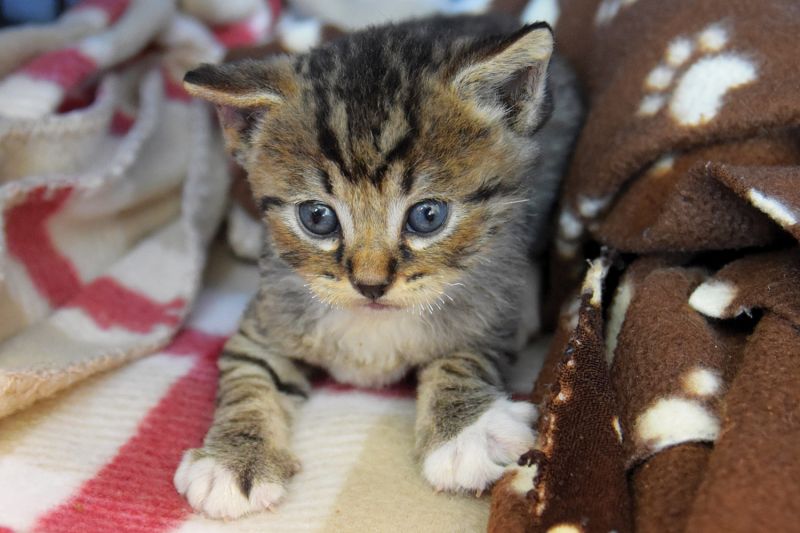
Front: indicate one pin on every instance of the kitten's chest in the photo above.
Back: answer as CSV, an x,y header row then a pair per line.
x,y
369,349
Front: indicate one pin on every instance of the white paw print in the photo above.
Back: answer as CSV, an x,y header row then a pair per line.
x,y
608,9
698,86
546,10
476,457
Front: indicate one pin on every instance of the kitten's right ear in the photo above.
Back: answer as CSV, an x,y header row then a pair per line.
x,y
242,92
510,75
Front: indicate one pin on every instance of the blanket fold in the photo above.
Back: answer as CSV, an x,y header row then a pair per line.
x,y
575,478
113,181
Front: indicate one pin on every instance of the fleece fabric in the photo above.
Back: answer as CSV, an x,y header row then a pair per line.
x,y
687,172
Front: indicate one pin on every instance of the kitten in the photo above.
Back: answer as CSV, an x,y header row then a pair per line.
x,y
396,171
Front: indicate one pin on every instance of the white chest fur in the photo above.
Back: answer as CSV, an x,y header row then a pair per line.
x,y
369,348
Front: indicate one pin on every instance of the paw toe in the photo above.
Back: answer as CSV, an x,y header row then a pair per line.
x,y
265,495
524,412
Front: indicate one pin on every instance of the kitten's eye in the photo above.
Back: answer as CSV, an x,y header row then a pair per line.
x,y
426,216
318,218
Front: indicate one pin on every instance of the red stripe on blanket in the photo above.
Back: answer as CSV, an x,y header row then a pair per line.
x,y
111,304
275,8
29,242
6,530
121,122
105,300
236,34
248,31
112,8
174,89
67,68
193,341
79,99
134,492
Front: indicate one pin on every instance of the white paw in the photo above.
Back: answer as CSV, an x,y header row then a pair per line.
x,y
694,77
475,458
214,490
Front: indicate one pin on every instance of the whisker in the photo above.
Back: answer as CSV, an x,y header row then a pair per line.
x,y
515,202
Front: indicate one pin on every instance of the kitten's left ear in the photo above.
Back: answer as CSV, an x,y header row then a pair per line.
x,y
510,77
243,92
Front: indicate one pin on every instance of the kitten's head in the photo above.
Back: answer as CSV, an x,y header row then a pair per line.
x,y
391,162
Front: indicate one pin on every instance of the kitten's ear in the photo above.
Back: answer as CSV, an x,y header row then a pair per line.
x,y
242,92
511,76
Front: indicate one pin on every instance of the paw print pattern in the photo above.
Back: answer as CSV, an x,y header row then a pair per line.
x,y
546,10
694,77
608,9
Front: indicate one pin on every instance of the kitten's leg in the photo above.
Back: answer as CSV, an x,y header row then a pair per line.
x,y
245,460
467,429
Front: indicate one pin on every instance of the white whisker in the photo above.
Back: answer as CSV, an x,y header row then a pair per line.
x,y
515,202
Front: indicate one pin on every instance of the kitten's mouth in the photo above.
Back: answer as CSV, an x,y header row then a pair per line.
x,y
379,306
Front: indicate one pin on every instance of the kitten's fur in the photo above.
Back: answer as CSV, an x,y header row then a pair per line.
x,y
446,108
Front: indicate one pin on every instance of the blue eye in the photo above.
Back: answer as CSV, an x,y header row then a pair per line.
x,y
318,218
426,216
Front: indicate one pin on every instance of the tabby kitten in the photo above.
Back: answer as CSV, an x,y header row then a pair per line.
x,y
396,172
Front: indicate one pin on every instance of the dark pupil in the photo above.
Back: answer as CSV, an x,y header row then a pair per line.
x,y
318,218
427,217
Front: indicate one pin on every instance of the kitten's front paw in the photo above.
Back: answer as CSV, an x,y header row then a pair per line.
x,y
219,491
476,457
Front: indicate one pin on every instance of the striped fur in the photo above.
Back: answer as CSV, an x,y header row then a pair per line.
x,y
451,109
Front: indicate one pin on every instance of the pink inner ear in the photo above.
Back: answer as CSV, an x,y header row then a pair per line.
x,y
237,126
231,117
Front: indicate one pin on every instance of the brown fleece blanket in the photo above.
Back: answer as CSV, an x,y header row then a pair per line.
x,y
672,391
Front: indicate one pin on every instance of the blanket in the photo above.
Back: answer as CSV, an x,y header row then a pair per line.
x,y
668,393
115,299
669,397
